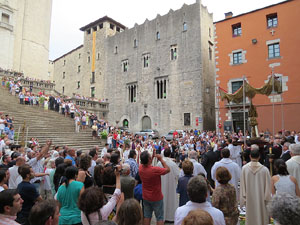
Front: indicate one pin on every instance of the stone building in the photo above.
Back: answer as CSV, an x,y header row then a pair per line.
x,y
157,75
24,36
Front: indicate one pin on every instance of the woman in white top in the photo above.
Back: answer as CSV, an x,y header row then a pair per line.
x,y
283,182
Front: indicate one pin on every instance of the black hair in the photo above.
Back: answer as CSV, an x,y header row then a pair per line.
x,y
225,153
167,152
280,167
71,173
2,174
7,198
58,161
254,154
145,157
92,153
132,153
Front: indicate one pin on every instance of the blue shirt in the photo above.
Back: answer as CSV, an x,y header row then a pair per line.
x,y
182,189
134,168
73,160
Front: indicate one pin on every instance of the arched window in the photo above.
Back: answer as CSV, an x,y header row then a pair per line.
x,y
157,35
125,123
184,26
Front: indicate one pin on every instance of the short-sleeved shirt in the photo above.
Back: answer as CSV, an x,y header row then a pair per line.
x,y
150,176
68,198
29,195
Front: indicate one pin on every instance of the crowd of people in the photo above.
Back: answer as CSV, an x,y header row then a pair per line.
x,y
62,105
196,178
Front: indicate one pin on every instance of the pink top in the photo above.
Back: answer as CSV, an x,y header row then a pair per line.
x,y
8,220
105,210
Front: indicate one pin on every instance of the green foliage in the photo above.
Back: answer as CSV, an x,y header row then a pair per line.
x,y
127,142
103,134
7,84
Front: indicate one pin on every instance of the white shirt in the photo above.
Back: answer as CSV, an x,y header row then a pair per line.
x,y
198,168
36,167
14,177
232,167
181,212
104,151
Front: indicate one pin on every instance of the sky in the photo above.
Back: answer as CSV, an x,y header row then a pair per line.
x,y
69,15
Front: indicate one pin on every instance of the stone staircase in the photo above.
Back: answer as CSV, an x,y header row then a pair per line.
x,y
45,124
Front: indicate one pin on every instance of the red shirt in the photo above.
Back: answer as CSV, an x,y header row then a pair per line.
x,y
115,136
151,182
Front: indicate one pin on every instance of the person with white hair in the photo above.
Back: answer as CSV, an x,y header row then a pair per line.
x,y
285,209
286,155
293,164
127,181
198,168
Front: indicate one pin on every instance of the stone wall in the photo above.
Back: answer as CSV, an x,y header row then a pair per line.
x,y
189,79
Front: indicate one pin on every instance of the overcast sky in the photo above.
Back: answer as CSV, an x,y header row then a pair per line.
x,y
69,15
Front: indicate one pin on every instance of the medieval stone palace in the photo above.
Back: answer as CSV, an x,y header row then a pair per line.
x,y
157,75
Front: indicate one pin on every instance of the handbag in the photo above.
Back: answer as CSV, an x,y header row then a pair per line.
x,y
138,193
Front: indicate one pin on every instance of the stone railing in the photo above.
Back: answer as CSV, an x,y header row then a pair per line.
x,y
101,109
10,74
38,85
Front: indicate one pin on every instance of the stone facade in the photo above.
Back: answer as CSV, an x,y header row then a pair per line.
x,y
24,29
158,75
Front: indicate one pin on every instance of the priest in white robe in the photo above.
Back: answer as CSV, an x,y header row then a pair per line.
x,y
232,167
168,186
255,191
293,164
235,153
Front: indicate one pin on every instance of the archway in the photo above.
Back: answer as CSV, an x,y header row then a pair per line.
x,y
125,123
146,123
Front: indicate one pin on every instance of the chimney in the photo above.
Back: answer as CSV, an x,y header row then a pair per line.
x,y
228,15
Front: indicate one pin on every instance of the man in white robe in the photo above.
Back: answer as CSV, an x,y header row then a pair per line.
x,y
293,164
168,187
255,190
232,167
235,152
198,168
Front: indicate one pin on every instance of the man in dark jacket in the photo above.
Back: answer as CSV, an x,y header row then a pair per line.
x,y
208,160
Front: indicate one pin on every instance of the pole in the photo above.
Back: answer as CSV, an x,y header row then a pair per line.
x,y
244,110
18,135
282,113
273,105
218,111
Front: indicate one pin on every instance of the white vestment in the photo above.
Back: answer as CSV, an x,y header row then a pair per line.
x,y
293,166
198,168
235,154
255,193
168,188
234,170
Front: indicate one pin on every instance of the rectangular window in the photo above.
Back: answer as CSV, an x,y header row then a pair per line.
x,y
161,86
93,78
236,30
78,70
132,92
146,60
237,58
135,43
78,84
173,52
5,18
235,85
272,20
100,25
118,29
125,65
187,119
88,31
273,50
210,53
88,59
111,26
63,90
94,28
64,75
64,62
92,92
98,56
79,55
